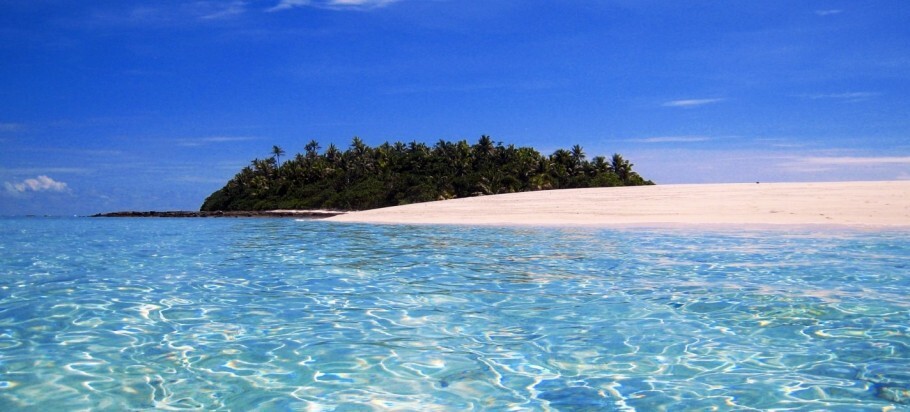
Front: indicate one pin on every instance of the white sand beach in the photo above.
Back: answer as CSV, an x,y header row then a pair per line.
x,y
855,204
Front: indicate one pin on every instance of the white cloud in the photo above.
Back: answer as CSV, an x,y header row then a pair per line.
x,y
30,170
846,97
332,4
687,103
231,9
289,4
828,12
200,179
156,14
857,160
40,184
782,143
673,139
846,167
11,127
213,140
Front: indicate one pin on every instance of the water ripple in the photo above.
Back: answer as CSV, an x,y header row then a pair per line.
x,y
297,315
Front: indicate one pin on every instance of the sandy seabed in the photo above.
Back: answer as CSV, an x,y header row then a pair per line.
x,y
855,204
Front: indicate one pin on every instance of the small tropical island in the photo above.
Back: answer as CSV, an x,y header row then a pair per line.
x,y
394,174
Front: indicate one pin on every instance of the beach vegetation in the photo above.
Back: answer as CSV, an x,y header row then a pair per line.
x,y
391,174
277,152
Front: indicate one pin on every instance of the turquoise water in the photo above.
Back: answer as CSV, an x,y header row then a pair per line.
x,y
244,314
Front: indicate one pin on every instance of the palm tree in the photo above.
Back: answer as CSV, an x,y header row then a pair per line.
x,y
578,154
621,167
332,154
312,149
264,167
358,146
561,167
578,160
600,165
277,151
484,147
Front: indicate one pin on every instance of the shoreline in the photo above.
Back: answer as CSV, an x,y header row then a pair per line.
x,y
859,205
300,214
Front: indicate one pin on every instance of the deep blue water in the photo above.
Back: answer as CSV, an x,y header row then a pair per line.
x,y
240,314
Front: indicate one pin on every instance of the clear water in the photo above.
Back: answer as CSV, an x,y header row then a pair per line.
x,y
183,314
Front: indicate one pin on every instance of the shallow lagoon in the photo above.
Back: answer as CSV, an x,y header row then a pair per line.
x,y
283,314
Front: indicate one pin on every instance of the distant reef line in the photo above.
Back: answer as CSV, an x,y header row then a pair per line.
x,y
303,214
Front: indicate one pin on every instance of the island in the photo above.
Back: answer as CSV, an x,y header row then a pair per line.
x,y
394,174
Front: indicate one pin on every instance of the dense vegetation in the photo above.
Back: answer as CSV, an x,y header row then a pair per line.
x,y
365,177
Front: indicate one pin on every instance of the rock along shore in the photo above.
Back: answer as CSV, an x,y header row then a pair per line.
x,y
303,214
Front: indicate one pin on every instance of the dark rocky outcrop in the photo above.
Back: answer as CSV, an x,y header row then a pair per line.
x,y
303,214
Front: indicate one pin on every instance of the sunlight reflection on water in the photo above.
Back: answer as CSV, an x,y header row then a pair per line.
x,y
283,314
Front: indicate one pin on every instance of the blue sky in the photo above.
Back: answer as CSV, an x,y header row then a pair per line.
x,y
114,105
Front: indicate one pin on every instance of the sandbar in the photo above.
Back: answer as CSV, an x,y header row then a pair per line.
x,y
854,204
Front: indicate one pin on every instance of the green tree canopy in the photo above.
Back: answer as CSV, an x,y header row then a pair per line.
x,y
364,177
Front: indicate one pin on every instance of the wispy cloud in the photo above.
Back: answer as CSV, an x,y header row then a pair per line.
x,y
30,170
164,15
672,139
11,127
290,4
202,141
848,167
857,160
80,152
215,11
332,4
844,97
828,12
781,143
145,16
689,103
39,184
200,179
